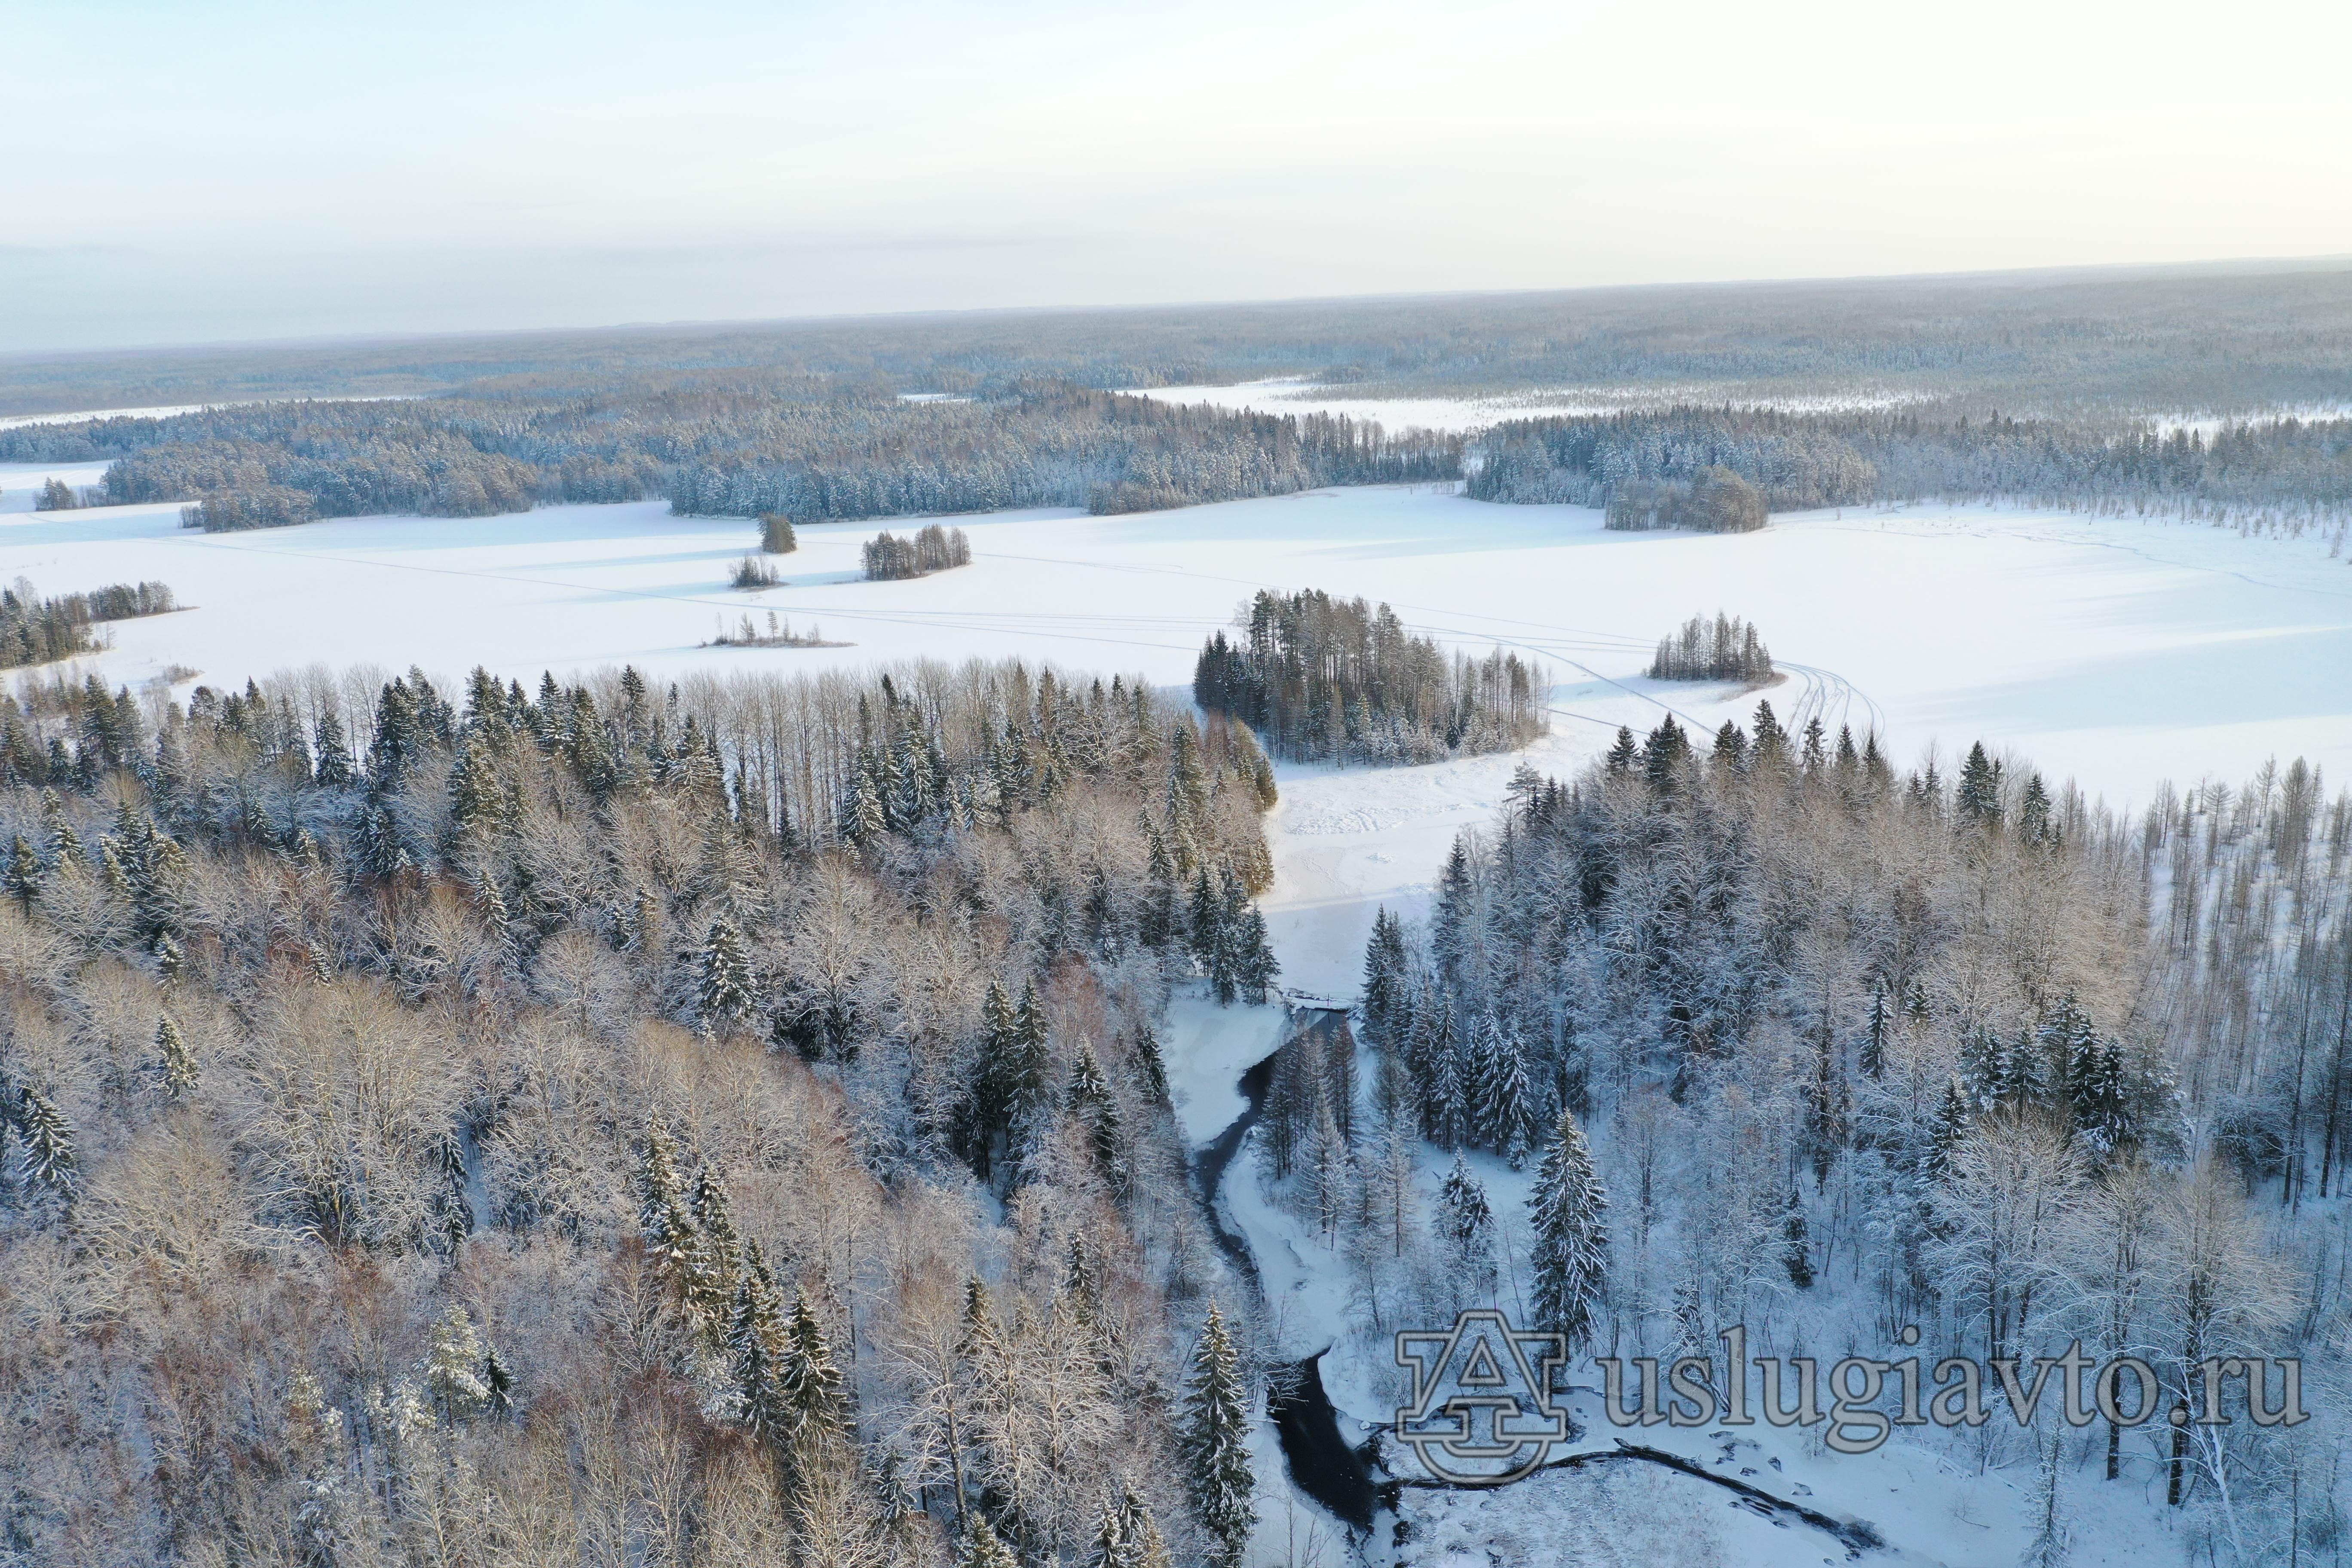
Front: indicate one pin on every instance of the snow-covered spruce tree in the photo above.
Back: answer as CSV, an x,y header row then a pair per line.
x,y
314,1451
1446,1103
1384,976
1979,798
1095,1110
333,765
476,799
982,1547
663,1217
1110,1548
24,873
1466,1225
48,1140
1329,1168
723,974
1154,1065
711,1251
755,1346
1215,1443
807,1382
1013,1103
1253,966
180,1074
1570,1251
1502,1108
454,1368
1880,1027
1140,1531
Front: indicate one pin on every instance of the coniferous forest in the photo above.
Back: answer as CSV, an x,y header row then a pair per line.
x,y
827,452
1652,470
1946,1047
719,1124
1328,679
811,453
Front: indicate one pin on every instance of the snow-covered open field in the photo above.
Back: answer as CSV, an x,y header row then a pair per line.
x,y
1465,414
2115,651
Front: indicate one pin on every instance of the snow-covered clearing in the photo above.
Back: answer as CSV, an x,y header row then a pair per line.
x,y
1469,415
2115,651
166,410
156,411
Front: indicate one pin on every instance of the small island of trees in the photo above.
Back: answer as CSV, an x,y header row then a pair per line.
x,y
932,549
1725,649
1326,680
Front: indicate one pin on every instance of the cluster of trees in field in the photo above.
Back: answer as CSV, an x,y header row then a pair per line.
x,y
932,548
56,495
256,504
719,1124
1714,500
1328,679
1791,1039
1650,464
35,630
1725,649
803,453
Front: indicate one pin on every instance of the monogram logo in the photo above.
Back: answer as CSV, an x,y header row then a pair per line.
x,y
1481,1412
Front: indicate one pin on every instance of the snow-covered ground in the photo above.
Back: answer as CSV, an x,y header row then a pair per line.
x,y
157,411
1207,1048
165,410
1467,414
2116,651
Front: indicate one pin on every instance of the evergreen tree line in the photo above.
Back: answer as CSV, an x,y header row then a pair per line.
x,y
932,549
492,1123
33,630
1337,681
809,453
1726,648
2297,471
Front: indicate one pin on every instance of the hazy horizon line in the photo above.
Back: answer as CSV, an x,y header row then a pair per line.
x,y
2215,267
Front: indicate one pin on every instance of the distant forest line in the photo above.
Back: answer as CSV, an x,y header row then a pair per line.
x,y
2289,470
741,452
2040,389
2227,339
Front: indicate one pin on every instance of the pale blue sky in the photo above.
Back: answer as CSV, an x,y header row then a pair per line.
x,y
260,168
